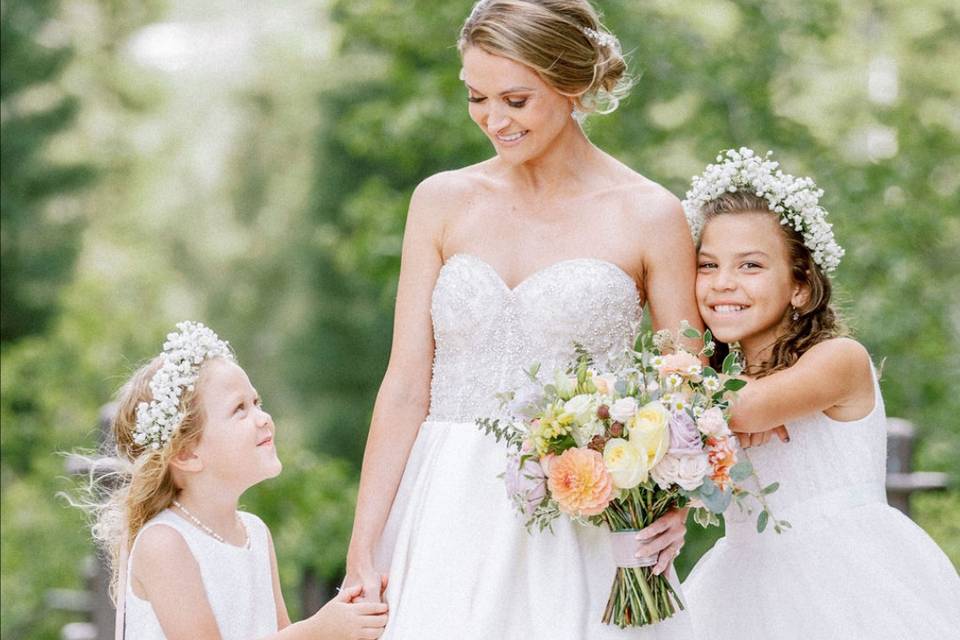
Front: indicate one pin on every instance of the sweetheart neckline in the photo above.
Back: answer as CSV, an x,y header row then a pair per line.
x,y
538,272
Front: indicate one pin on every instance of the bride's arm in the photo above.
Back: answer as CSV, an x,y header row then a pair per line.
x,y
670,268
403,399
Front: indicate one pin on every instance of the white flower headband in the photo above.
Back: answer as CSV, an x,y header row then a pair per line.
x,y
795,200
183,353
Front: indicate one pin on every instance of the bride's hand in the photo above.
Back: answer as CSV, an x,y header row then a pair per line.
x,y
663,538
373,584
748,440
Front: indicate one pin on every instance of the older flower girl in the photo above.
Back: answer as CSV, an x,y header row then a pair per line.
x,y
846,565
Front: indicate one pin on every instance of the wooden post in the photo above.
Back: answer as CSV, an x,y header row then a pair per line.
x,y
901,481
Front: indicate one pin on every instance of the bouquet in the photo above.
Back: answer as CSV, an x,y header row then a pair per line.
x,y
621,448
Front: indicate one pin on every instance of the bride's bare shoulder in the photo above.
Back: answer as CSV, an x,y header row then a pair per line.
x,y
644,201
452,190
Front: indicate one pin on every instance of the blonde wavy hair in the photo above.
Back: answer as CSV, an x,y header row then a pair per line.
x,y
140,483
817,319
550,36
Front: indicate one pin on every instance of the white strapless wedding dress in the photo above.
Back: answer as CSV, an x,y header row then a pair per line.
x,y
850,568
461,564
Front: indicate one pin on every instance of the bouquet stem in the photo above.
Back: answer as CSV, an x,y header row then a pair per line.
x,y
638,597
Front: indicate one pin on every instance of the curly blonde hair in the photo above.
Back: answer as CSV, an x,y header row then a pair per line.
x,y
551,37
817,319
141,484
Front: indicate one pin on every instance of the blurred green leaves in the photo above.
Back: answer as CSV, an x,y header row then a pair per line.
x,y
268,199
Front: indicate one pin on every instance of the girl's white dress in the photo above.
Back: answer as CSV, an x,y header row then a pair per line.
x,y
850,567
238,582
460,563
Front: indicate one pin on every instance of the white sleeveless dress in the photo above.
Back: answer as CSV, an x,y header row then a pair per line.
x,y
238,582
850,567
460,563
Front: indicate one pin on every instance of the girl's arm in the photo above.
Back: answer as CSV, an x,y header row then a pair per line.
x,y
283,618
834,377
404,397
166,574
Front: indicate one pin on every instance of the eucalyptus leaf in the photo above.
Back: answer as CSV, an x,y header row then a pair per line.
x,y
690,332
741,471
728,363
762,521
734,384
770,488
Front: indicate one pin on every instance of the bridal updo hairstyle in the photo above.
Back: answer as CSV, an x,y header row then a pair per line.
x,y
551,37
818,320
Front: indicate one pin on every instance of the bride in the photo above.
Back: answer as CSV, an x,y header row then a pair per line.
x,y
507,263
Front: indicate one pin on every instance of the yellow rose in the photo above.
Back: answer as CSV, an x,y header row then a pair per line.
x,y
649,431
626,464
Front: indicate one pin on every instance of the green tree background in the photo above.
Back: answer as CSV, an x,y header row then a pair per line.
x,y
250,165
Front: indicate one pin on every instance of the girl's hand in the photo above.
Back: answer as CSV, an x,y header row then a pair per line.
x,y
748,440
664,538
343,618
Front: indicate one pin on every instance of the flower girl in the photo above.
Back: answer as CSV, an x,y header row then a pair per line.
x,y
845,564
187,564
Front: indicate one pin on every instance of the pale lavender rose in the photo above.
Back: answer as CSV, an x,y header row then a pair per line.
x,y
525,401
685,438
526,483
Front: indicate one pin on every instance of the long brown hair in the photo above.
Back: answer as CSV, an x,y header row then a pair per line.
x,y
817,319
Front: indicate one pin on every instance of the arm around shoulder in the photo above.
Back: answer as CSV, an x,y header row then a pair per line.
x,y
834,376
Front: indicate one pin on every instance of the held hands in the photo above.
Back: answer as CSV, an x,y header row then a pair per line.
x,y
371,583
347,618
664,539
748,440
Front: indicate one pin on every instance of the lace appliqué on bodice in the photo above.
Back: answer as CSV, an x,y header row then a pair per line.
x,y
487,334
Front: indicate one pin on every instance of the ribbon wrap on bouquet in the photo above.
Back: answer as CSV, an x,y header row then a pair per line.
x,y
625,545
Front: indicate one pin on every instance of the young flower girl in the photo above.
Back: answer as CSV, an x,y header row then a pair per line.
x,y
845,565
187,563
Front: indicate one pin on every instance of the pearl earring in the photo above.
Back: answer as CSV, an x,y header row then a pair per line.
x,y
796,314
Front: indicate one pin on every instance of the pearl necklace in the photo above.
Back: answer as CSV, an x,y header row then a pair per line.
x,y
211,532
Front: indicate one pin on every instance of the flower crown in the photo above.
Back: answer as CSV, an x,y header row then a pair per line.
x,y
183,353
794,200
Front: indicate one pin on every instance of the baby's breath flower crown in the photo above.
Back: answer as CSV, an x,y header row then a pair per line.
x,y
183,353
794,200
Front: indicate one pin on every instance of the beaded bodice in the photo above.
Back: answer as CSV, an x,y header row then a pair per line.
x,y
487,334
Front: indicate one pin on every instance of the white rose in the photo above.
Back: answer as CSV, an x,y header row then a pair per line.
x,y
685,471
713,424
626,464
623,409
581,407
